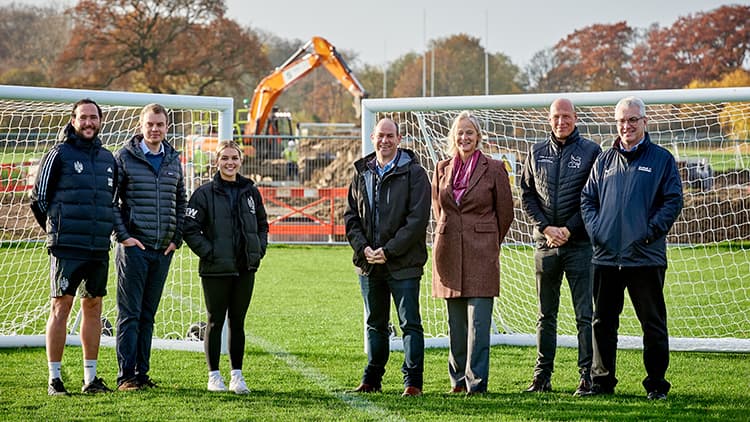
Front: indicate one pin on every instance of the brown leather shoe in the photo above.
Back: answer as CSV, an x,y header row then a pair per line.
x,y
412,392
539,385
458,389
366,388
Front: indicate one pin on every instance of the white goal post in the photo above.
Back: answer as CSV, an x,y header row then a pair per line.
x,y
30,120
708,280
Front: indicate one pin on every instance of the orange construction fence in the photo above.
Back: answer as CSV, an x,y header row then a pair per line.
x,y
303,211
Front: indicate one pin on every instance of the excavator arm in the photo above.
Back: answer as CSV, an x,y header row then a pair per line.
x,y
314,53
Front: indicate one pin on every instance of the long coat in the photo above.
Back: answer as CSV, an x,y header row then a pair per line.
x,y
466,246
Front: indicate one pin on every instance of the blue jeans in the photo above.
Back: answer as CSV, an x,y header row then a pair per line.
x,y
377,292
573,260
141,275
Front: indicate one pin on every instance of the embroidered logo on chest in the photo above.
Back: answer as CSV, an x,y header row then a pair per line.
x,y
78,167
574,163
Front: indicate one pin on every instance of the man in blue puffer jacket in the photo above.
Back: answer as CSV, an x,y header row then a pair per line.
x,y
148,227
629,203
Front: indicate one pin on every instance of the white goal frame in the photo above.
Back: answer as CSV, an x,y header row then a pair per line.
x,y
223,107
373,109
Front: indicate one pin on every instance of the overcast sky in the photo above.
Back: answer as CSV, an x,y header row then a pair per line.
x,y
382,30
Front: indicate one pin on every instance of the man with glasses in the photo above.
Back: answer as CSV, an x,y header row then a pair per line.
x,y
630,201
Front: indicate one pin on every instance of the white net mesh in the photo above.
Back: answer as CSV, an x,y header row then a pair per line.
x,y
708,279
27,130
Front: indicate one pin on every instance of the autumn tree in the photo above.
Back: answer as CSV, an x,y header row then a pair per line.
x,y
30,40
161,46
459,70
594,58
703,46
734,117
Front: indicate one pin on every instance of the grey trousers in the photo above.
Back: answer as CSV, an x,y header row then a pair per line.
x,y
469,322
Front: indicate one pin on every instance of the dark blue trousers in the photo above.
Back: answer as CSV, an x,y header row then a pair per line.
x,y
141,275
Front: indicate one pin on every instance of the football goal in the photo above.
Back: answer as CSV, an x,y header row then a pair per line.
x,y
707,130
30,122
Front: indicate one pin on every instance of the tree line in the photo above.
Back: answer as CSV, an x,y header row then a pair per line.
x,y
193,48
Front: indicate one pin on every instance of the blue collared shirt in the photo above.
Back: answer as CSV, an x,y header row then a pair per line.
x,y
387,167
634,147
154,159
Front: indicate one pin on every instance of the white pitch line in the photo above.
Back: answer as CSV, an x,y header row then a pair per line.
x,y
355,401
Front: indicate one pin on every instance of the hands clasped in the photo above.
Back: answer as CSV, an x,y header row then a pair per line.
x,y
376,256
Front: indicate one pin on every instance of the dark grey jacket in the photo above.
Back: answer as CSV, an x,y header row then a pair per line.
x,y
151,205
629,203
551,184
224,236
399,226
73,197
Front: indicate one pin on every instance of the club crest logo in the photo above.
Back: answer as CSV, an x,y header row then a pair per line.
x,y
575,162
64,283
251,204
191,212
78,167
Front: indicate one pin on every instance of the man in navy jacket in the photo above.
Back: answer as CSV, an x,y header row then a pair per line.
x,y
72,201
148,227
629,203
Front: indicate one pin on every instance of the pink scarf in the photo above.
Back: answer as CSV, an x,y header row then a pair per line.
x,y
462,174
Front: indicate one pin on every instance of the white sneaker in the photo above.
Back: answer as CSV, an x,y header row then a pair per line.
x,y
216,383
237,384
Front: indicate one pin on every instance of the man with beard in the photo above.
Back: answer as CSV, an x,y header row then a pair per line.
x,y
73,200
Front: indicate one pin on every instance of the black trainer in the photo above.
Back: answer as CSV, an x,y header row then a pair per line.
x,y
95,387
145,382
584,387
539,385
56,388
598,389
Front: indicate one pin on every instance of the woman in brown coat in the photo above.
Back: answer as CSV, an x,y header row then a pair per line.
x,y
473,207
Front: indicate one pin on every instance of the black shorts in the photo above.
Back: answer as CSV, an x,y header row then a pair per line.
x,y
88,277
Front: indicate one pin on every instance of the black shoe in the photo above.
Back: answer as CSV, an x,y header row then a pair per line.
x,y
598,389
584,388
366,388
146,382
539,385
56,388
656,395
95,387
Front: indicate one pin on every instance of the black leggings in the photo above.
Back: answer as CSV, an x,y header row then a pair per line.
x,y
226,297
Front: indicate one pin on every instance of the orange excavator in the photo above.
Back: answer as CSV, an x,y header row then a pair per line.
x,y
314,53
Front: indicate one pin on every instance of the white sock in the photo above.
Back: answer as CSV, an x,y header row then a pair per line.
x,y
236,373
212,374
89,371
54,370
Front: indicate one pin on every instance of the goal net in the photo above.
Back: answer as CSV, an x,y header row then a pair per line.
x,y
30,121
707,287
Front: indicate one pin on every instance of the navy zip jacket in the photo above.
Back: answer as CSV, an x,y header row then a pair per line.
x,y
552,179
73,197
152,204
629,203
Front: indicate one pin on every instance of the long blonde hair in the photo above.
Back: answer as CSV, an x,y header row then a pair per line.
x,y
451,149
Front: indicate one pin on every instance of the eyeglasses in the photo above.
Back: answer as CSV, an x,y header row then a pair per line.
x,y
632,121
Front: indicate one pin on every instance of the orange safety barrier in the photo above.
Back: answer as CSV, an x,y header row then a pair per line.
x,y
14,177
301,219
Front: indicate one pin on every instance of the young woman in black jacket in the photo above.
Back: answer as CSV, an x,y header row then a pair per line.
x,y
226,226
